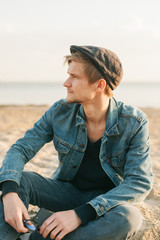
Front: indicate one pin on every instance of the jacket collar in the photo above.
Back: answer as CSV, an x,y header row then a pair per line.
x,y
111,122
112,119
80,117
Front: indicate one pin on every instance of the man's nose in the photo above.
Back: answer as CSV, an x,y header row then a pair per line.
x,y
67,83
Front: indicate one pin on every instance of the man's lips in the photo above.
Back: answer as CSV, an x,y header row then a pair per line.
x,y
69,91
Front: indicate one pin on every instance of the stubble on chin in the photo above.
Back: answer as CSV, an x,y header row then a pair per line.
x,y
73,101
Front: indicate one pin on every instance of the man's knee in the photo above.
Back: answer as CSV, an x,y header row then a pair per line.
x,y
122,222
133,216
130,219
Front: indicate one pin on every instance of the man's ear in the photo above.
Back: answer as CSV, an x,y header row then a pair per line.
x,y
101,85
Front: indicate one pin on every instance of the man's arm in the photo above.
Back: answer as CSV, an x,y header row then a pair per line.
x,y
14,209
26,148
137,174
13,164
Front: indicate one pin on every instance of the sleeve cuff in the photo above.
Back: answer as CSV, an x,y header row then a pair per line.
x,y
86,213
9,186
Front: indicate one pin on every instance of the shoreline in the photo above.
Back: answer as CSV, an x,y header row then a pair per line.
x,y
48,105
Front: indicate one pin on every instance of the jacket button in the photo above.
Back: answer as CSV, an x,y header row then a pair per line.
x,y
82,145
83,130
102,208
74,166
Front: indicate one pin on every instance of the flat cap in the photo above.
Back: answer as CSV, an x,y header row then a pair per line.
x,y
106,62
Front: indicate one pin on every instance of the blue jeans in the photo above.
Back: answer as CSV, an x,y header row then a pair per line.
x,y
121,222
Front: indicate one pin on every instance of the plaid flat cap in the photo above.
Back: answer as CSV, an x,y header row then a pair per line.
x,y
106,62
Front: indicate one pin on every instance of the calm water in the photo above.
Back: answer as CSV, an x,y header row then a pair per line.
x,y
137,94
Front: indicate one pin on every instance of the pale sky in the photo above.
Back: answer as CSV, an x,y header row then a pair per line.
x,y
36,34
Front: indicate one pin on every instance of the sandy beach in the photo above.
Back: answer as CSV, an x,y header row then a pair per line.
x,y
15,120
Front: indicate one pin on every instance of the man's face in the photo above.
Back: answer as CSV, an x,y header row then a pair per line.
x,y
79,90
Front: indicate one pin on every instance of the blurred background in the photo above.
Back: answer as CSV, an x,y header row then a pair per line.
x,y
35,35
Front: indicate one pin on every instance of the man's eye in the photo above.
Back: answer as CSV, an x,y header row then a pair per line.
x,y
74,76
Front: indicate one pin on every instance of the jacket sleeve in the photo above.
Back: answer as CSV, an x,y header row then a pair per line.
x,y
26,148
137,174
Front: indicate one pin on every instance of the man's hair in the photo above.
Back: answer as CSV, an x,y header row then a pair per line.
x,y
89,69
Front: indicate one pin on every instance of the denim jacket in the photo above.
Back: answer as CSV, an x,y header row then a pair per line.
x,y
124,152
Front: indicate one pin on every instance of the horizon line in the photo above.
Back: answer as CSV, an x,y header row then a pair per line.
x,y
60,82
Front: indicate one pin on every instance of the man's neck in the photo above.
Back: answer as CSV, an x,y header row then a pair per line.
x,y
96,111
96,115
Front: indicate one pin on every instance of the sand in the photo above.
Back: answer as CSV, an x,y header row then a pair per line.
x,y
15,120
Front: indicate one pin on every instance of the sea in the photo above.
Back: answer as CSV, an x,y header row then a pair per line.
x,y
140,94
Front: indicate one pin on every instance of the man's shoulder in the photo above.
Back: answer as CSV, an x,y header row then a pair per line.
x,y
130,111
63,105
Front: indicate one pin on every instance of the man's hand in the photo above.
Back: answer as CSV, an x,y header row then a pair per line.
x,y
59,224
15,211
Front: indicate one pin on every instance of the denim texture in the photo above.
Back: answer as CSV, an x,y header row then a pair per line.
x,y
119,223
124,151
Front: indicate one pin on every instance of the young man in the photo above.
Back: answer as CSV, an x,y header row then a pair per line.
x,y
104,162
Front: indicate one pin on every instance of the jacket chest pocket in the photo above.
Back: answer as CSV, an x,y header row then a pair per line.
x,y
62,149
118,161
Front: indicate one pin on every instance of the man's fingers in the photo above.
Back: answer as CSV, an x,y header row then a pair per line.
x,y
11,222
52,226
47,222
26,214
60,224
57,230
26,217
60,235
17,224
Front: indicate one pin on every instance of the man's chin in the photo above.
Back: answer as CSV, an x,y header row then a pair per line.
x,y
72,101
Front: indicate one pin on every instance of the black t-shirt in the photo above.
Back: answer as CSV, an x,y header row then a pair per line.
x,y
90,175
